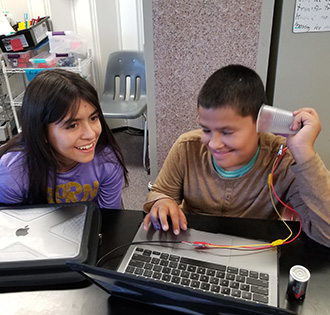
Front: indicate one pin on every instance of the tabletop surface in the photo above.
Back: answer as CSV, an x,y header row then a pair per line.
x,y
120,226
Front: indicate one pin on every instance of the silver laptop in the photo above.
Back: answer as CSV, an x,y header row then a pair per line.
x,y
41,233
37,240
249,275
150,273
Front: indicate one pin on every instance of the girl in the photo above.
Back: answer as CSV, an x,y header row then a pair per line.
x,y
66,151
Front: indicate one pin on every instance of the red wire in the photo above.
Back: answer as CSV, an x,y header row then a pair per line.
x,y
273,189
205,244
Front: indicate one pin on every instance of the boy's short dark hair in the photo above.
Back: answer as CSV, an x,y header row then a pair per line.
x,y
236,86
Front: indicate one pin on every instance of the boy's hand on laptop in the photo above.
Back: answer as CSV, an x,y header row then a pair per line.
x,y
160,211
301,144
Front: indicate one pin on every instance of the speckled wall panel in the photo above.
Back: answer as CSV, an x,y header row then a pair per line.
x,y
192,39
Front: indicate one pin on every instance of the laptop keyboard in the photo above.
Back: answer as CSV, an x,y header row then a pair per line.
x,y
215,278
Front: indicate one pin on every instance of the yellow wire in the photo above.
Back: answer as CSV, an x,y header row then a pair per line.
x,y
274,243
238,246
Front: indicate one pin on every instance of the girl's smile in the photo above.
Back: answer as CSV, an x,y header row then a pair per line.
x,y
74,139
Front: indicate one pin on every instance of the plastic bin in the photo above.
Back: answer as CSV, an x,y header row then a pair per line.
x,y
26,39
66,47
22,59
43,60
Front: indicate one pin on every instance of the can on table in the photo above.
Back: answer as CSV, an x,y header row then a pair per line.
x,y
299,277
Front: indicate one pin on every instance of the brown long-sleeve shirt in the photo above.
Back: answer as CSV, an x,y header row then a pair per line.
x,y
188,177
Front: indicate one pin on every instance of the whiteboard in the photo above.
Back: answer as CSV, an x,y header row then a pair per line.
x,y
311,16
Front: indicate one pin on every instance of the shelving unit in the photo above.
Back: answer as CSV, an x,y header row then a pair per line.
x,y
7,123
84,68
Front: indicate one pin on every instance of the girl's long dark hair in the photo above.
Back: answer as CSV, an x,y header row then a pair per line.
x,y
48,98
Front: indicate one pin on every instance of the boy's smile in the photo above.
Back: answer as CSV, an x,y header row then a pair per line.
x,y
231,138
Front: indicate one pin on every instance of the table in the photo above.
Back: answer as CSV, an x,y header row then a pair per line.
x,y
119,227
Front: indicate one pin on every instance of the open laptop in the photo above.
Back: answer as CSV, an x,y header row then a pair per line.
x,y
181,277
36,241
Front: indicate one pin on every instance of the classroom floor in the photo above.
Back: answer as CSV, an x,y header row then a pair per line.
x,y
131,144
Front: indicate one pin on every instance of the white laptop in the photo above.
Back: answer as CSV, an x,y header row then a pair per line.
x,y
42,238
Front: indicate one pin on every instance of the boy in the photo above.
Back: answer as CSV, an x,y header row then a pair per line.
x,y
223,168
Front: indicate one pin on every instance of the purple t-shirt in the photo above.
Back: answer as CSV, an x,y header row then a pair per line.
x,y
100,181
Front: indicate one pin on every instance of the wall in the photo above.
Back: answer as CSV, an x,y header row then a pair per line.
x,y
190,40
300,71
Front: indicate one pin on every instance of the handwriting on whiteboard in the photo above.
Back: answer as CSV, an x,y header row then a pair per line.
x,y
311,16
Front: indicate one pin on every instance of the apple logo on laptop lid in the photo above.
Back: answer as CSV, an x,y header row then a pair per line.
x,y
23,231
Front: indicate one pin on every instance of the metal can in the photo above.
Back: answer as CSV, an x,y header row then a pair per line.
x,y
299,277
